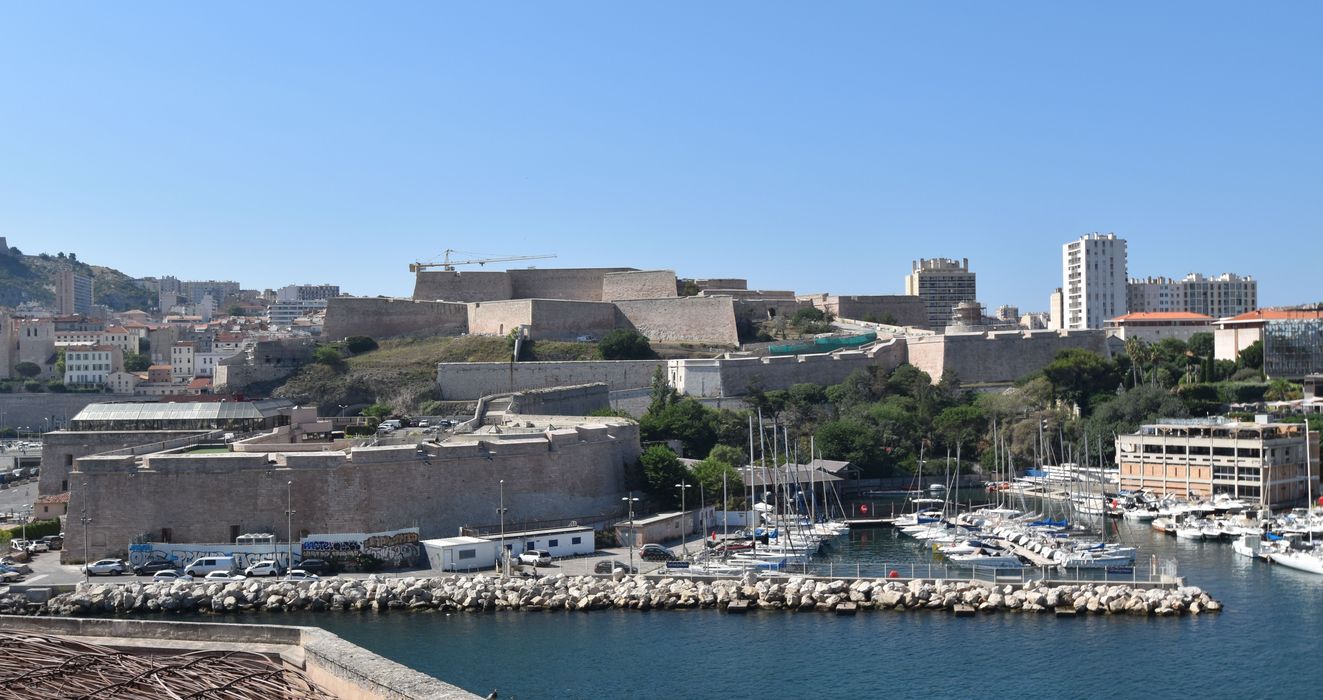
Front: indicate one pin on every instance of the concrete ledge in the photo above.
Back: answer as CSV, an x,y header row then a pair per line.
x,y
345,669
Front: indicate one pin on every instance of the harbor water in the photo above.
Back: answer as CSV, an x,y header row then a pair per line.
x,y
1263,643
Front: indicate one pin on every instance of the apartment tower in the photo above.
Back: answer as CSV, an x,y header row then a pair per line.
x,y
1093,280
942,283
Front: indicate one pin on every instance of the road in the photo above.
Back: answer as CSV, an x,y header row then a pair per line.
x,y
18,498
47,569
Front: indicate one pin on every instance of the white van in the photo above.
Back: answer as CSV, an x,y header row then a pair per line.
x,y
205,565
393,424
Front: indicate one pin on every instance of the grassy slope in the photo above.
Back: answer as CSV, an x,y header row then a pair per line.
x,y
402,372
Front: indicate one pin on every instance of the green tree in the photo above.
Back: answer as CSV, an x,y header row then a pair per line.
x,y
133,362
662,470
1282,390
234,310
711,472
1077,375
27,369
1201,344
1251,356
960,426
854,441
329,356
359,344
624,344
686,420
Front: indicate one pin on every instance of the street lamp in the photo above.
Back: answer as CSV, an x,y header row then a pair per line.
x,y
289,524
631,500
85,521
684,539
342,406
500,554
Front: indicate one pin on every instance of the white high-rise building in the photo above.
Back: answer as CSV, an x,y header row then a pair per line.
x,y
1221,296
1093,280
942,283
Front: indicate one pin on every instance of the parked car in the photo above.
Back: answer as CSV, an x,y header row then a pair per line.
x,y
536,557
205,565
315,566
106,567
266,567
53,541
19,545
445,423
607,567
170,576
152,566
38,546
656,552
424,424
224,576
300,575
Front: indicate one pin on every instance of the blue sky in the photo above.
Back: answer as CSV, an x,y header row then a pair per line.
x,y
809,146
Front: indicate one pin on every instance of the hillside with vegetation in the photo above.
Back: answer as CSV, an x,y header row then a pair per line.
x,y
31,278
401,372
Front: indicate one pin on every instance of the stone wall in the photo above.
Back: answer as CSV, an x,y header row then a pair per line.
x,y
907,310
733,376
998,357
578,400
265,361
547,319
645,284
449,285
46,411
721,283
708,320
583,284
387,318
558,474
466,381
61,448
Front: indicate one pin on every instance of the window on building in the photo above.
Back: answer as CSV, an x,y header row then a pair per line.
x,y
1224,451
553,543
1250,452
468,554
1198,449
1227,473
576,540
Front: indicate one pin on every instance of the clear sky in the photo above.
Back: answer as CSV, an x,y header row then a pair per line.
x,y
804,146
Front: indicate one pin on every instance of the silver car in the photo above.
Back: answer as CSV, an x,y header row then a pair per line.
x,y
106,567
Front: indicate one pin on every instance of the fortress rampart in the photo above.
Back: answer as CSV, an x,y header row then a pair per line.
x,y
385,318
554,474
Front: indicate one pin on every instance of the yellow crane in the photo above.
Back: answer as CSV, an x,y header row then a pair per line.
x,y
448,264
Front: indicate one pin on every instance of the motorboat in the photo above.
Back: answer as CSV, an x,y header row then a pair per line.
x,y
1310,562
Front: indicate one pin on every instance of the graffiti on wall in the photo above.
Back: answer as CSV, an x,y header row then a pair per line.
x,y
395,548
184,554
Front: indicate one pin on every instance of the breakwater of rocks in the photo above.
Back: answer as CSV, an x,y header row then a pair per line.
x,y
586,593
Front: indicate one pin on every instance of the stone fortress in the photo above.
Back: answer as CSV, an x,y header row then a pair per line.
x,y
570,303
176,486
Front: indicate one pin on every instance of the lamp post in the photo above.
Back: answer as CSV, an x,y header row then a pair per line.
x,y
289,524
502,562
684,539
85,521
342,406
631,500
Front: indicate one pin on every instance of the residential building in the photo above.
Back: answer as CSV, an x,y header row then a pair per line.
x,y
942,283
182,357
89,365
1006,312
307,292
1056,319
123,382
1261,462
1153,326
1221,296
1094,280
218,290
73,293
281,314
158,374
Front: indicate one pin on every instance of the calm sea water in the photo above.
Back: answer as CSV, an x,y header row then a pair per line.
x,y
1265,643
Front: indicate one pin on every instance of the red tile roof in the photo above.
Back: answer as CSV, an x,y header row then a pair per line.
x,y
56,498
1163,316
1275,315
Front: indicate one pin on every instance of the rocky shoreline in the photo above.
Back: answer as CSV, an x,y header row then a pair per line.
x,y
586,593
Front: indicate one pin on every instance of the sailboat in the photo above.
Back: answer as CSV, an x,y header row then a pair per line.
x,y
1309,561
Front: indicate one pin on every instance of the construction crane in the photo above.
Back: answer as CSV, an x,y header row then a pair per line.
x,y
448,264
